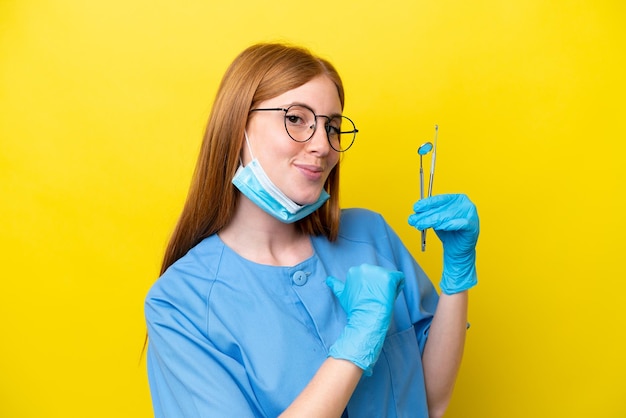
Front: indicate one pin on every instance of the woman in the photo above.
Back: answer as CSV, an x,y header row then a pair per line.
x,y
272,300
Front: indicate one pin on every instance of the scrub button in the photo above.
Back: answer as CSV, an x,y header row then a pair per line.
x,y
300,277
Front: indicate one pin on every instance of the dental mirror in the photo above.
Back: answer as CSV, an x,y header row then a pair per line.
x,y
424,149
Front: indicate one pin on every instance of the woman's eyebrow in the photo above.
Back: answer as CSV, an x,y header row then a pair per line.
x,y
332,115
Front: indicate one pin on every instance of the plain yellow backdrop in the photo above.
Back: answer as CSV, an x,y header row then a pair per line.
x,y
102,107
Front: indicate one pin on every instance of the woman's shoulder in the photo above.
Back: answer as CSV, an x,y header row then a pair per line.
x,y
192,271
359,214
361,223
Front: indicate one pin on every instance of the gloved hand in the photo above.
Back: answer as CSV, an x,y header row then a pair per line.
x,y
455,221
368,296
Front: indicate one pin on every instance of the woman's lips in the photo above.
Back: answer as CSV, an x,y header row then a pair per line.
x,y
311,172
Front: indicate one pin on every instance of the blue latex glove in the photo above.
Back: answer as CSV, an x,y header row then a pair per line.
x,y
368,296
455,221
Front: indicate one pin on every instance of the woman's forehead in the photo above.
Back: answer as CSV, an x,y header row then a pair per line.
x,y
320,94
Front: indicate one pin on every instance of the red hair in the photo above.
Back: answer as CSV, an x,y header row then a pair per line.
x,y
259,73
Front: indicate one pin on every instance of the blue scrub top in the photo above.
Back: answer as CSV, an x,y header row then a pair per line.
x,y
232,338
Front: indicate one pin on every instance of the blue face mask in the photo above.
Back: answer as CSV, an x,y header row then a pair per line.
x,y
254,183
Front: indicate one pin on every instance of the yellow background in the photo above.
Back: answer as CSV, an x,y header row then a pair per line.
x,y
102,106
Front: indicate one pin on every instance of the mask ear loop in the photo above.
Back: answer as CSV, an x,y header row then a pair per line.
x,y
249,147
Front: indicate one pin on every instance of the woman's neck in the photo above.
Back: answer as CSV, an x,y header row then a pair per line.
x,y
261,238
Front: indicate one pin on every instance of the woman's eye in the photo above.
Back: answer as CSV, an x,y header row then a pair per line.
x,y
333,130
294,119
297,117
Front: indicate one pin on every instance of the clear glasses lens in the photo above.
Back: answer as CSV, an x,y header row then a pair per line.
x,y
300,122
341,133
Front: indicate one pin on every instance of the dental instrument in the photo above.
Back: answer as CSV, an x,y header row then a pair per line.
x,y
432,163
424,149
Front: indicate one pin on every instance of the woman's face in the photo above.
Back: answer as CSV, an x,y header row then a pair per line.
x,y
299,169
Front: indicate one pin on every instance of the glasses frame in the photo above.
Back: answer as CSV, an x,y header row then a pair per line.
x,y
327,127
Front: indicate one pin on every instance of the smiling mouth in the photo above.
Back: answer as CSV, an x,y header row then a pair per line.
x,y
311,172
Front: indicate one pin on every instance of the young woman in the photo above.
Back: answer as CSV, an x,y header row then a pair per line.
x,y
272,300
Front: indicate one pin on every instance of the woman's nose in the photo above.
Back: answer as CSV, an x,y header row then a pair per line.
x,y
319,140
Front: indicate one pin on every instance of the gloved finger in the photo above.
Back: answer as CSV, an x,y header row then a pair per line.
x,y
335,285
394,277
442,222
444,212
438,201
415,221
398,277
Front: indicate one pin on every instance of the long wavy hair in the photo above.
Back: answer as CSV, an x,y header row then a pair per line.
x,y
259,73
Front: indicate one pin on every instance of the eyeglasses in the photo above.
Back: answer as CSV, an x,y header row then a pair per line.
x,y
301,123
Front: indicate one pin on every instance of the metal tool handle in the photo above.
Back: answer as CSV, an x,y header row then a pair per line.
x,y
421,197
